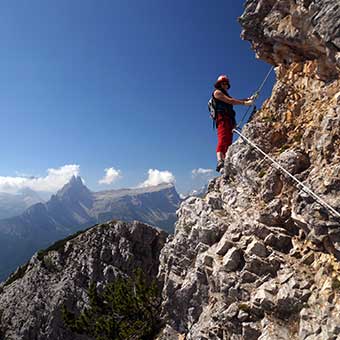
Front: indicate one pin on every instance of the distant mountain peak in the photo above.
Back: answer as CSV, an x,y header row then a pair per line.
x,y
76,180
74,189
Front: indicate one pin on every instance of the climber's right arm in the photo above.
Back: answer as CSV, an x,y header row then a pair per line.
x,y
229,100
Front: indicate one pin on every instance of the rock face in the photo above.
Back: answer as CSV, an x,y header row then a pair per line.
x,y
286,31
258,258
30,306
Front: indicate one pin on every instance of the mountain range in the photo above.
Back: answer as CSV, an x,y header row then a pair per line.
x,y
75,207
15,204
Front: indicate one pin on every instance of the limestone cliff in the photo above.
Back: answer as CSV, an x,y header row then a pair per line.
x,y
258,258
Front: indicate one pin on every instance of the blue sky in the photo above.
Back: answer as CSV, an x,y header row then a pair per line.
x,y
117,84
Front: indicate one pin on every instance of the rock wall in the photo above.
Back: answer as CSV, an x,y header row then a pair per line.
x,y
258,258
30,306
286,31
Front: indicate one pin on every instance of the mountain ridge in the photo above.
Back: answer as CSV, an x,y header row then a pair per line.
x,y
55,279
75,207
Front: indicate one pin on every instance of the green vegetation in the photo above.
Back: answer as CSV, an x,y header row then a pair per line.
x,y
298,137
284,148
262,173
244,306
18,274
49,264
127,309
269,119
336,283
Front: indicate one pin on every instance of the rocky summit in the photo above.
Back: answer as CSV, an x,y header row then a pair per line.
x,y
256,257
32,298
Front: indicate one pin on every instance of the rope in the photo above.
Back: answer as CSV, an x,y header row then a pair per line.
x,y
256,94
303,186
264,81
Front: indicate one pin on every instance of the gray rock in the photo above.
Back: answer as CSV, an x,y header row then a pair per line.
x,y
248,277
287,301
278,44
294,161
243,316
232,311
257,248
207,236
308,259
208,260
201,248
274,331
284,277
279,241
264,299
215,201
168,333
224,245
259,266
232,259
250,331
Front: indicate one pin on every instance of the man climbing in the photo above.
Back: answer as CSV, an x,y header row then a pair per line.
x,y
225,117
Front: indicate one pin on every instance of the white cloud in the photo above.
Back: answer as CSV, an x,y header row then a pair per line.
x,y
111,175
200,172
156,177
54,180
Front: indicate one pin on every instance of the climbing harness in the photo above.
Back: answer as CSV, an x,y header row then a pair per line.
x,y
255,96
279,167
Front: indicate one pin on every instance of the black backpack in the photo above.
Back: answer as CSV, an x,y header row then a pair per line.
x,y
212,108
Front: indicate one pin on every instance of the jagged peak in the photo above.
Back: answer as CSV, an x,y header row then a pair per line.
x,y
73,188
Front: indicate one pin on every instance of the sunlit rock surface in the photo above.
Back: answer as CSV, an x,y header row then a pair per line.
x,y
257,257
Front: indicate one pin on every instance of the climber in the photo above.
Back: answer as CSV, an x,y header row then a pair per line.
x,y
225,117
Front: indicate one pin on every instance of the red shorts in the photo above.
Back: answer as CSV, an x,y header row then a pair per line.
x,y
224,133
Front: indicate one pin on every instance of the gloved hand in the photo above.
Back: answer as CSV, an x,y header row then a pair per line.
x,y
254,96
248,102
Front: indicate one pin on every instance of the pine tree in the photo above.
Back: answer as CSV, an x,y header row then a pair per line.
x,y
127,309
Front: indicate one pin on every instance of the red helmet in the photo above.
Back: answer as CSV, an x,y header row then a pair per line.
x,y
221,79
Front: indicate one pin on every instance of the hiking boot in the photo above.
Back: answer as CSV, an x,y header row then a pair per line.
x,y
220,165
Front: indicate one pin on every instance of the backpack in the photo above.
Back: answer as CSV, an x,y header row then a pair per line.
x,y
213,113
212,109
